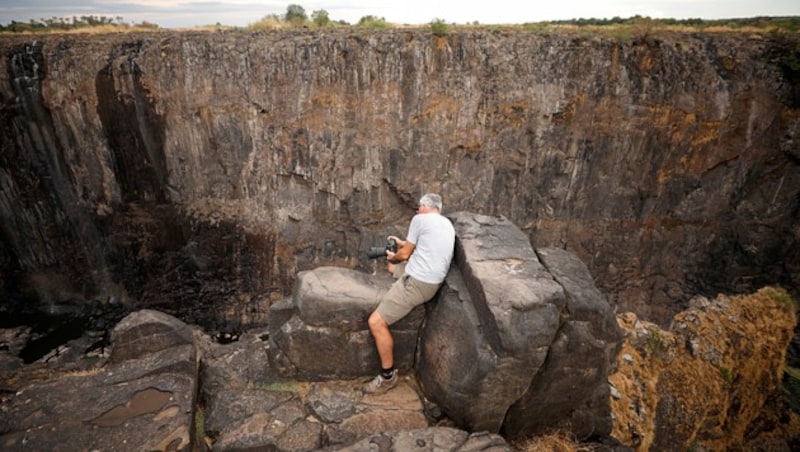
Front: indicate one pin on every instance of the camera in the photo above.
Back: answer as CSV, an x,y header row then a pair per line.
x,y
380,251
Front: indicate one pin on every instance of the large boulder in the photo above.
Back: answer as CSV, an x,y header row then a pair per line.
x,y
147,331
321,332
571,389
513,345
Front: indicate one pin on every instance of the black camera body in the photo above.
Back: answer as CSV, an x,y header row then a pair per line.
x,y
380,251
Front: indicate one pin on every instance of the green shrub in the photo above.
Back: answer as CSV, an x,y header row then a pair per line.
x,y
295,13
372,22
726,374
321,18
654,343
439,27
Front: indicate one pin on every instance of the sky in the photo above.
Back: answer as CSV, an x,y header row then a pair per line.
x,y
188,13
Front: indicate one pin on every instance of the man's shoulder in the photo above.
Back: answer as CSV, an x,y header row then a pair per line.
x,y
440,222
431,220
443,219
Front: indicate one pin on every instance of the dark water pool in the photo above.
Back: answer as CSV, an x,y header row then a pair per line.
x,y
48,332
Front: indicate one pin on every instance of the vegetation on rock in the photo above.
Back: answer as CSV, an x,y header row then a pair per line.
x,y
83,23
714,379
296,17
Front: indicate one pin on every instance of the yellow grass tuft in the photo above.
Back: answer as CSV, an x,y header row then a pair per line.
x,y
552,442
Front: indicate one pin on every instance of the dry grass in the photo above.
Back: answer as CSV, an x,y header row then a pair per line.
x,y
619,31
96,30
82,372
552,442
271,22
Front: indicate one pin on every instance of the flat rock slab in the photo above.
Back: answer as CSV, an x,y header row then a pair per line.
x,y
429,440
308,416
139,404
398,409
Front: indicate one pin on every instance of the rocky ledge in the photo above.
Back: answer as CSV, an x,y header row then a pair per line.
x,y
509,326
518,342
146,396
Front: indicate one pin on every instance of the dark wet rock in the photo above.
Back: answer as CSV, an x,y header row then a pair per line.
x,y
12,342
396,410
9,362
279,426
227,408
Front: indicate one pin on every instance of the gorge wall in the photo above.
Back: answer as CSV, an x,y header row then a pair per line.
x,y
197,173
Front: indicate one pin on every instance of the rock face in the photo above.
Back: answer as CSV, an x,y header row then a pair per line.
x,y
198,173
517,342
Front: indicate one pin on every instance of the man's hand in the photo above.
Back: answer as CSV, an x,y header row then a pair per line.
x,y
404,250
391,255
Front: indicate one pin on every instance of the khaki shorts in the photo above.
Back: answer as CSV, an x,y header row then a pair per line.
x,y
405,294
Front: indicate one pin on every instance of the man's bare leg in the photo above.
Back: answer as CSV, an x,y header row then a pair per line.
x,y
383,339
385,345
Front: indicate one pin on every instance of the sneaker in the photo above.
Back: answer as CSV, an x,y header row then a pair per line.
x,y
379,385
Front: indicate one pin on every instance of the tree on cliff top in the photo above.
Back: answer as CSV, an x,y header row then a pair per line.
x,y
321,18
295,13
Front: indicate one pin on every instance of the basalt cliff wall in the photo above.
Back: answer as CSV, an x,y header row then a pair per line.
x,y
197,173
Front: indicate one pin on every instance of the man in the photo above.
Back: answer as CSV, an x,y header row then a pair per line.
x,y
423,261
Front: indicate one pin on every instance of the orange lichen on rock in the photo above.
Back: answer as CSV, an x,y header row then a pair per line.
x,y
708,380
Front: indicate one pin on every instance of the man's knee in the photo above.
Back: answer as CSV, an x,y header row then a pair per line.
x,y
376,321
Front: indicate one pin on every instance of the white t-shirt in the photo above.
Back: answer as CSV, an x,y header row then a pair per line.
x,y
434,238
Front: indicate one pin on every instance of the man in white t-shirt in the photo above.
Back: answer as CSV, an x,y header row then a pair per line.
x,y
423,262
